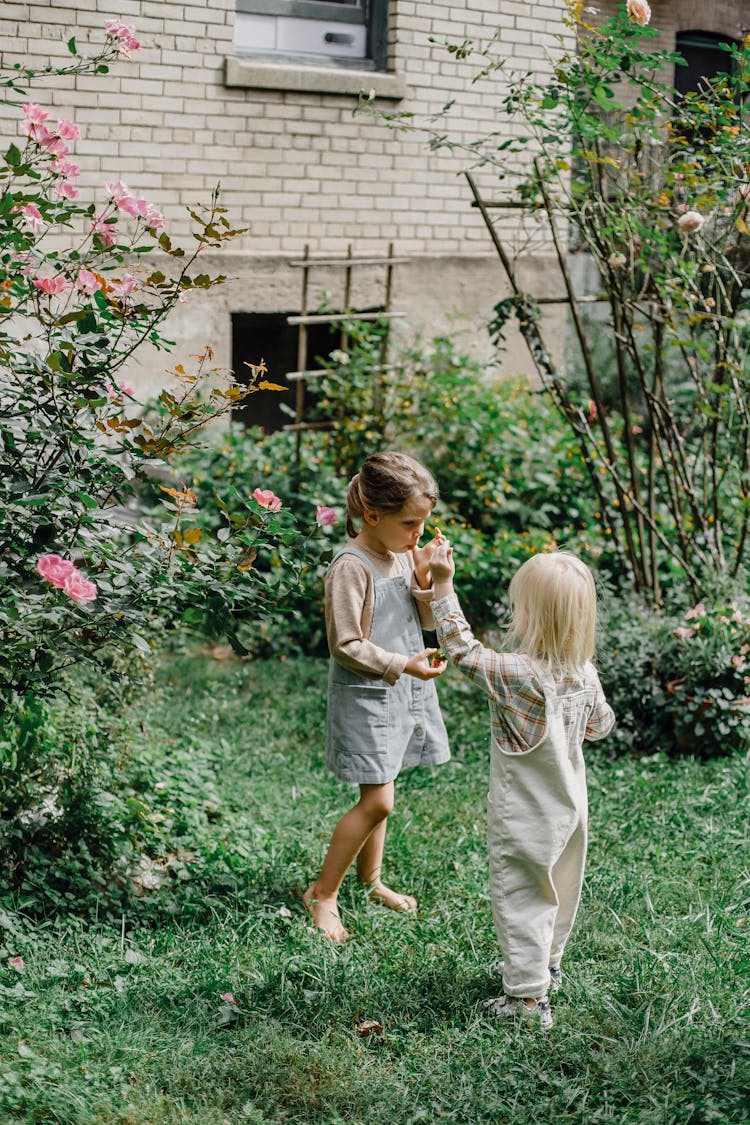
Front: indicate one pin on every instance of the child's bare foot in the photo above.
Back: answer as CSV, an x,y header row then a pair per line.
x,y
394,900
325,915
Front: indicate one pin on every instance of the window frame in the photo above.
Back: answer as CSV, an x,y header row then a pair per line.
x,y
372,14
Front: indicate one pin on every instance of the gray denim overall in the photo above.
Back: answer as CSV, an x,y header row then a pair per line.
x,y
375,729
537,829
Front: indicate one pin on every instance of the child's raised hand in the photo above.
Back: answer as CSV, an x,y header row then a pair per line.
x,y
442,565
422,558
422,667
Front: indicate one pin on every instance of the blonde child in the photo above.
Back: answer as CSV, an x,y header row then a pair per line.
x,y
383,711
544,700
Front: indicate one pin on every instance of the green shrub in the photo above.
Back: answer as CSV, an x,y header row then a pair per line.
x,y
678,678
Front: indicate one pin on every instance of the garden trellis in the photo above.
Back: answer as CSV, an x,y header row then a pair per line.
x,y
344,318
655,189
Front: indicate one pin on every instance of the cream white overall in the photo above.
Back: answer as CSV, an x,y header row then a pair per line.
x,y
537,835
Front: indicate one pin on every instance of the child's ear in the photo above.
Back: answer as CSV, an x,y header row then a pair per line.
x,y
371,517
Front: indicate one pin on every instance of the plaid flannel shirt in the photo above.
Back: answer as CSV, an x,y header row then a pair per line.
x,y
511,681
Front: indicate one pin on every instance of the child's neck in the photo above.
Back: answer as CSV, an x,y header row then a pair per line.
x,y
373,544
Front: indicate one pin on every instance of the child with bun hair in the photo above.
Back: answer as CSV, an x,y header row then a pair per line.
x,y
544,698
383,711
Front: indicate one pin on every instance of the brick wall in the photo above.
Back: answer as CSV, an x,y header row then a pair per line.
x,y
295,167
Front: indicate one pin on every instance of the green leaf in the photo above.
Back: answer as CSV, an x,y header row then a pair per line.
x,y
86,500
13,156
72,46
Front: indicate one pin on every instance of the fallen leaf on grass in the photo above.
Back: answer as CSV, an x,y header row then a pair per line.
x,y
369,1027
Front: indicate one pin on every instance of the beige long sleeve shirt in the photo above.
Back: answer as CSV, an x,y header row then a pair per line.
x,y
350,597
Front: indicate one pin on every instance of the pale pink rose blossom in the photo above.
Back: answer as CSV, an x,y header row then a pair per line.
x,y
324,517
639,12
698,610
154,218
267,499
117,190
79,589
88,282
128,204
52,286
124,35
17,964
123,388
107,231
38,132
228,998
690,222
124,289
66,168
683,632
34,113
56,147
738,662
68,130
55,569
33,217
63,189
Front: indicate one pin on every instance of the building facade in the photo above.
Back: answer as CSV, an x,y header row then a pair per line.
x,y
260,96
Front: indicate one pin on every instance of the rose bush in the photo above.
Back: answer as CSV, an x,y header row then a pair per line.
x,y
80,574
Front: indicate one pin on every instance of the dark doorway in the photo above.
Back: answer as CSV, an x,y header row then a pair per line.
x,y
267,336
704,59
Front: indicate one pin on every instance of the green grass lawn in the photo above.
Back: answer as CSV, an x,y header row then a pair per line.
x,y
121,1019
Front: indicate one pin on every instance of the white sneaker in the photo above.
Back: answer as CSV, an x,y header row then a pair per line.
x,y
514,1007
555,975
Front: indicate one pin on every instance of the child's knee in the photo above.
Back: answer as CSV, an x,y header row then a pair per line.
x,y
378,804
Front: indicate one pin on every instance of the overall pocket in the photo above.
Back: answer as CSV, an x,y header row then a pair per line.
x,y
358,718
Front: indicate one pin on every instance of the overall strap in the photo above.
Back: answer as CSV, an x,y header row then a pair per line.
x,y
547,680
360,555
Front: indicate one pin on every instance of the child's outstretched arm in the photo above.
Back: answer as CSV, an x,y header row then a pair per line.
x,y
479,663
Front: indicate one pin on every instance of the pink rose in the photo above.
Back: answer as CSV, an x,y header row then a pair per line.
x,y
33,217
123,35
123,388
63,189
68,130
17,964
34,113
639,12
66,168
228,998
324,517
55,569
267,499
117,190
52,285
88,282
107,231
128,204
79,588
154,217
683,632
124,289
690,222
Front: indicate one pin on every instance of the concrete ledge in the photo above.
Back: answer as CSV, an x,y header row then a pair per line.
x,y
312,79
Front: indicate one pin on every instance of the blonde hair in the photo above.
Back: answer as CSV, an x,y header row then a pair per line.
x,y
385,483
553,607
